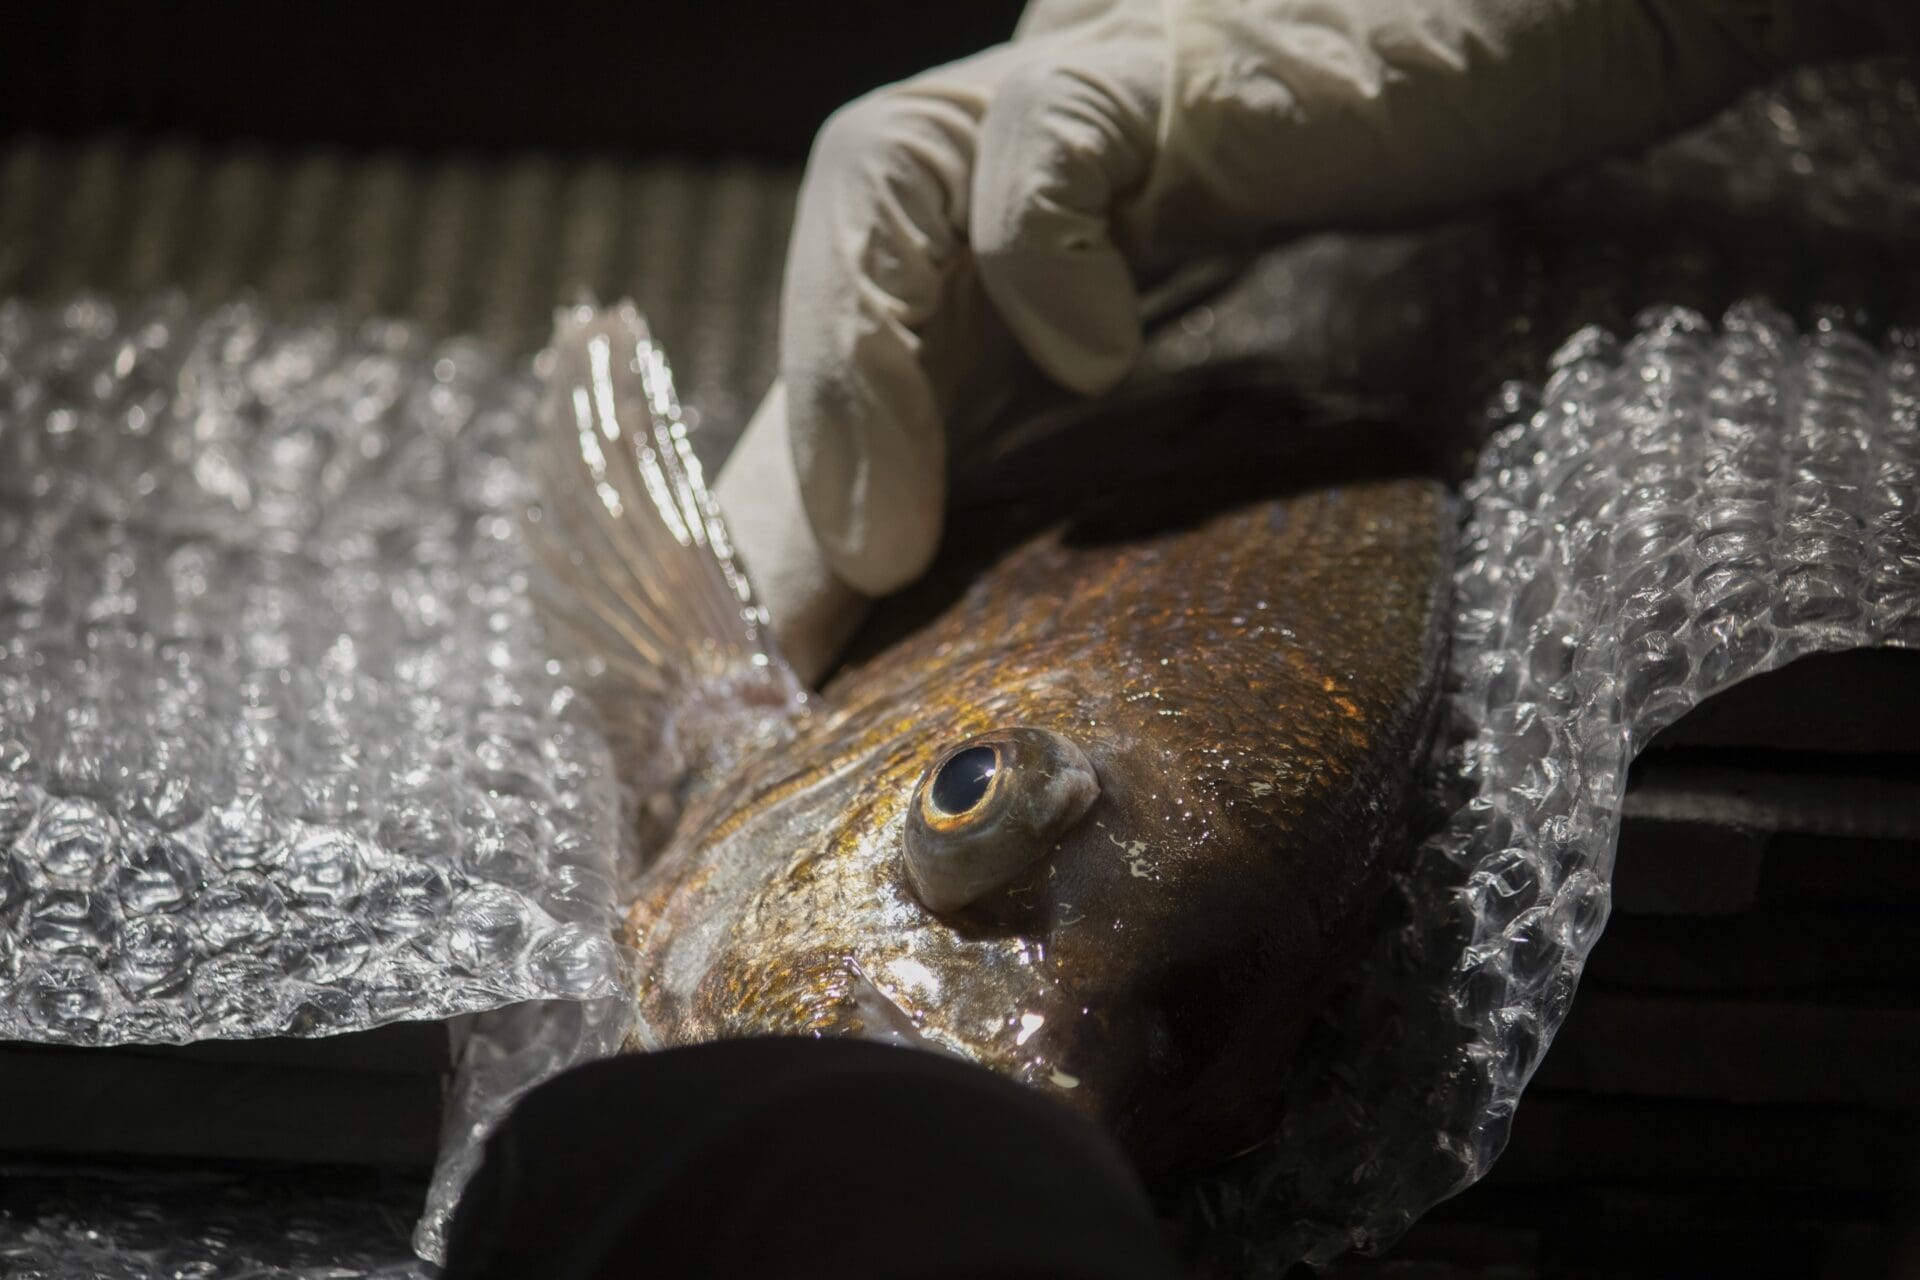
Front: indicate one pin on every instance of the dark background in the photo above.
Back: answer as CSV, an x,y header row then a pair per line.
x,y
464,170
706,78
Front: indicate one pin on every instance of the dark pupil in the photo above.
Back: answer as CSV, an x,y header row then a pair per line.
x,y
964,779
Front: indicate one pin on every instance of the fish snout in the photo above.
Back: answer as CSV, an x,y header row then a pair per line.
x,y
991,808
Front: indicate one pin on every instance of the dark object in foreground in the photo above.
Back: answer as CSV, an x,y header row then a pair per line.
x,y
370,1098
797,1158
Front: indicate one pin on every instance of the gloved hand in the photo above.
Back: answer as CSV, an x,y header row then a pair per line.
x,y
1016,201
814,613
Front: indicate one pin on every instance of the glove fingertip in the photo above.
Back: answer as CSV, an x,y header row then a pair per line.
x,y
871,472
813,612
886,537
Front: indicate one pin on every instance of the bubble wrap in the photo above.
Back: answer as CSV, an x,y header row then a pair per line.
x,y
280,750
101,1224
1664,517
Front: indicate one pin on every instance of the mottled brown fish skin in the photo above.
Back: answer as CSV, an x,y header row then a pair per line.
x,y
1256,691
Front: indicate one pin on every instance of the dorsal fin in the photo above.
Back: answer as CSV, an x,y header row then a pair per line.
x,y
641,585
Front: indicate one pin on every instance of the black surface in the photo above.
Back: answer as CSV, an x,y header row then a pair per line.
x,y
1860,702
418,1048
1719,832
202,1104
711,78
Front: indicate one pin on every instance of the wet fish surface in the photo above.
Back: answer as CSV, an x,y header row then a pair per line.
x,y
1101,805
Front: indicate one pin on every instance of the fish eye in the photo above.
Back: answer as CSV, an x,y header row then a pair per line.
x,y
962,782
991,807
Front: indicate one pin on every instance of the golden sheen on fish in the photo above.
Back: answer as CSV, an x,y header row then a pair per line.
x,y
1104,817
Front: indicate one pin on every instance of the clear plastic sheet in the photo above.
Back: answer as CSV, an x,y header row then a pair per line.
x,y
281,752
511,1050
119,1224
1663,517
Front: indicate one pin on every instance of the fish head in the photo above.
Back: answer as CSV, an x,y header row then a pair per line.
x,y
1104,824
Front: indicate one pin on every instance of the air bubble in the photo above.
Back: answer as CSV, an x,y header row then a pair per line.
x,y
489,929
158,873
75,842
64,997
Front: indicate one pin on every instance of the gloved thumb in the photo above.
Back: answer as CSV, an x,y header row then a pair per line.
x,y
1068,135
813,612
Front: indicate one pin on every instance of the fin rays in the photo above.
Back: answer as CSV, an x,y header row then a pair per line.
x,y
638,574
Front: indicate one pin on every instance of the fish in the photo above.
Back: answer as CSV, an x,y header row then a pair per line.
x,y
1101,805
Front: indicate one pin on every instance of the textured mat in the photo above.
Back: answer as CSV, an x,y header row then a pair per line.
x,y
460,246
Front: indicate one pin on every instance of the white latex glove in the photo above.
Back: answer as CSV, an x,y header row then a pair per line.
x,y
1016,200
814,613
